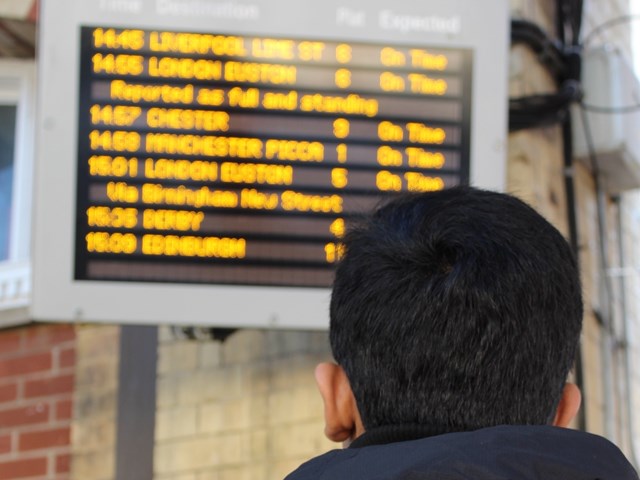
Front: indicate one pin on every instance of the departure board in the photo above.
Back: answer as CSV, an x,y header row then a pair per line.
x,y
234,159
199,161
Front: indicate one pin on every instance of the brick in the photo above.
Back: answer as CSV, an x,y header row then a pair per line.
x,y
319,342
97,377
200,453
259,445
226,416
25,364
234,448
211,474
64,409
210,354
167,395
95,343
186,476
5,444
210,418
165,334
247,472
293,371
176,423
63,463
225,383
260,413
299,441
95,404
33,467
24,416
177,357
244,346
49,386
49,335
90,436
57,437
8,393
94,465
294,405
9,342
259,377
67,358
285,342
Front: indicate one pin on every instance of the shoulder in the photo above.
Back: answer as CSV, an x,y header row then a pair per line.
x,y
314,468
499,452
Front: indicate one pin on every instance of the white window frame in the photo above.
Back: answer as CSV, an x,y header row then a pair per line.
x,y
17,87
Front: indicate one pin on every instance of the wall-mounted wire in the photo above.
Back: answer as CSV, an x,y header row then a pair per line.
x,y
543,109
608,313
564,64
562,58
614,22
622,110
549,52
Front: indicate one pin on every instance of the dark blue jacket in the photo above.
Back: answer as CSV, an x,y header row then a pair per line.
x,y
497,453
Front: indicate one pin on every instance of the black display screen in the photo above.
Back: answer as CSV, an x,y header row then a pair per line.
x,y
233,159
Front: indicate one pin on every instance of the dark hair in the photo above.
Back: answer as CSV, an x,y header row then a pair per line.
x,y
459,309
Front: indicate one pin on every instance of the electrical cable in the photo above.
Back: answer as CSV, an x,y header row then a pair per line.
x,y
569,21
623,110
625,335
614,22
560,21
571,11
563,60
604,265
616,110
606,313
595,168
543,109
576,16
572,224
549,53
564,64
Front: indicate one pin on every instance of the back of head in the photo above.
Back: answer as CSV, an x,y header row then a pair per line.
x,y
458,309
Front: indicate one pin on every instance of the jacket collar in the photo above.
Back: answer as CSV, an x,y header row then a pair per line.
x,y
400,433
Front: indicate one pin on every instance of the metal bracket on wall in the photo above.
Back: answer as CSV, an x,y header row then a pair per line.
x,y
202,333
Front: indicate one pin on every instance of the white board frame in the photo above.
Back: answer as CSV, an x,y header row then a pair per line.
x,y
57,297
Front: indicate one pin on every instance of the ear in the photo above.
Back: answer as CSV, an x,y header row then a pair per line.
x,y
568,406
341,416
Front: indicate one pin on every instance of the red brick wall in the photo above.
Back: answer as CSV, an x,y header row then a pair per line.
x,y
36,400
